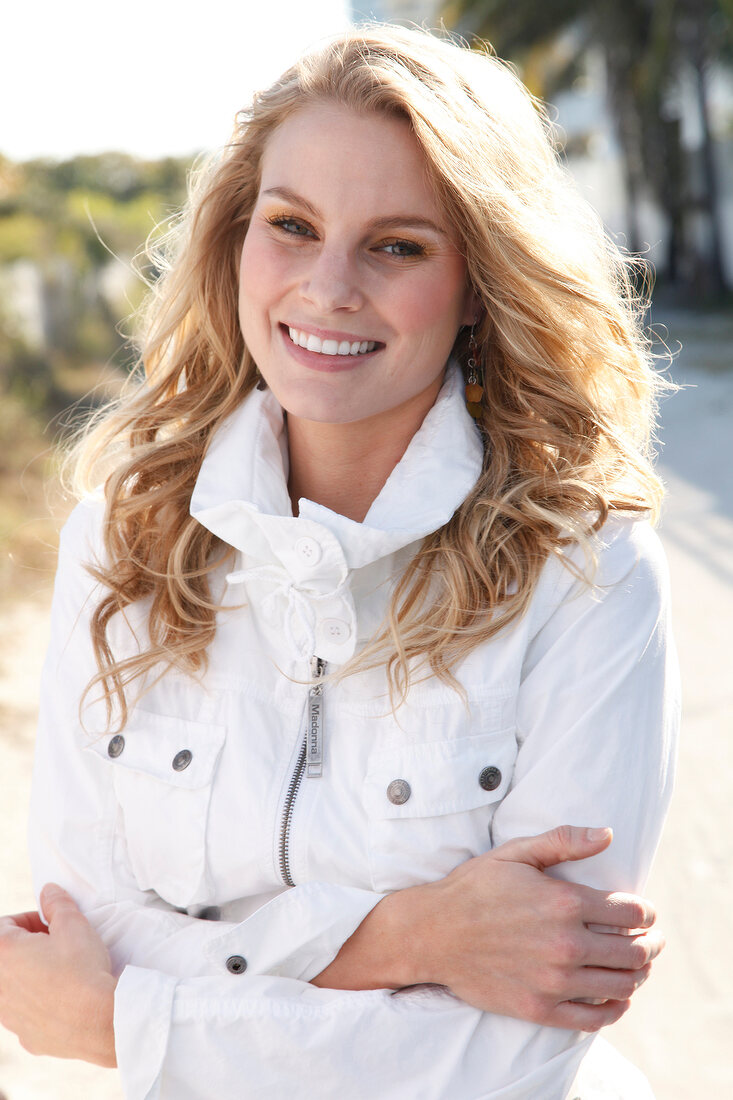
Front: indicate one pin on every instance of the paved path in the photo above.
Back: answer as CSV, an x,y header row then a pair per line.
x,y
680,1028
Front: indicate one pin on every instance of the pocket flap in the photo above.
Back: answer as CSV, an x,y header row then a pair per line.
x,y
176,751
441,777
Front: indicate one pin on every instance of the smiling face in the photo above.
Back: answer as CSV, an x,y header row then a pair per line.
x,y
352,288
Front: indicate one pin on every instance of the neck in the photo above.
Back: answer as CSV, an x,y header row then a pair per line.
x,y
344,466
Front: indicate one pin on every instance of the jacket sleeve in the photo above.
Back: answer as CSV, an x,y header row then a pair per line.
x,y
598,710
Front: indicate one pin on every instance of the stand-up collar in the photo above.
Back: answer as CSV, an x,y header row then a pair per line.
x,y
241,492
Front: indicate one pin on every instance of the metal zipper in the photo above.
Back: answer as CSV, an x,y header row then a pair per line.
x,y
314,733
311,753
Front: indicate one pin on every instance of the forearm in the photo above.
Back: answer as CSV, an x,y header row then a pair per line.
x,y
384,951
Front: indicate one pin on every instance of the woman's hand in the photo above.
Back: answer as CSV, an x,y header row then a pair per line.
x,y
507,938
56,985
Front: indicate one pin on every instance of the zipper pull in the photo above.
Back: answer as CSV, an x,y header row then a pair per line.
x,y
314,733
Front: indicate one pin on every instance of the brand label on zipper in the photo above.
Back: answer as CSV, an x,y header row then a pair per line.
x,y
314,733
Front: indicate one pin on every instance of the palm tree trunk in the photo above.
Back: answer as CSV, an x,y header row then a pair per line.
x,y
717,270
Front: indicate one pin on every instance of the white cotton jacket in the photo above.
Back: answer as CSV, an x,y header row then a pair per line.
x,y
241,826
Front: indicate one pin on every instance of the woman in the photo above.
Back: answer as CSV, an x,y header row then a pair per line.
x,y
341,646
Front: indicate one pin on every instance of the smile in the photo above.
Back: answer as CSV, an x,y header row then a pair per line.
x,y
330,347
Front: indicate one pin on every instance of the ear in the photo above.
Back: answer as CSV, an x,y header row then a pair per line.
x,y
474,308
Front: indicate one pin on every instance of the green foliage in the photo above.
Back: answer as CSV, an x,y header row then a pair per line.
x,y
59,339
80,223
86,207
23,235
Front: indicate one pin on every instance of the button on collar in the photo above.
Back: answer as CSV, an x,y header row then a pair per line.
x,y
116,745
308,549
336,630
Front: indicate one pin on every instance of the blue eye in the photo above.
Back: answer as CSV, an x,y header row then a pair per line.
x,y
291,226
402,249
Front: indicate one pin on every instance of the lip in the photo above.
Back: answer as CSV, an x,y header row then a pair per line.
x,y
327,364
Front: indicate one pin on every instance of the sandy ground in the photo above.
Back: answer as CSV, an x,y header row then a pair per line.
x,y
680,1027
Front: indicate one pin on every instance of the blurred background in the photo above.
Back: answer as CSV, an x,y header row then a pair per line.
x,y
104,112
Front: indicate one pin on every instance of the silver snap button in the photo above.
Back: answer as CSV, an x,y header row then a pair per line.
x,y
308,549
182,759
335,629
490,778
399,791
116,745
236,964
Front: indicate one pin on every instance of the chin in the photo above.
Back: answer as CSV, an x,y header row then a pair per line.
x,y
319,408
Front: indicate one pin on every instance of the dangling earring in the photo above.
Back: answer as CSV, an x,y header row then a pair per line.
x,y
474,386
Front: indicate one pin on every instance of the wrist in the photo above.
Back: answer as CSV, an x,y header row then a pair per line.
x,y
411,934
101,1049
417,929
386,950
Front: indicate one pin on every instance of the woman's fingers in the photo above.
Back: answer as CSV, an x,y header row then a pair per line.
x,y
566,842
585,1017
596,984
56,903
615,910
29,922
623,952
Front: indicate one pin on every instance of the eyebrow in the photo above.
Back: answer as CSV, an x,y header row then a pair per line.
x,y
392,221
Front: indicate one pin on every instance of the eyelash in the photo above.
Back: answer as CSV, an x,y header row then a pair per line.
x,y
281,221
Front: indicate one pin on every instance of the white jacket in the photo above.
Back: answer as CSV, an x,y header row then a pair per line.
x,y
178,837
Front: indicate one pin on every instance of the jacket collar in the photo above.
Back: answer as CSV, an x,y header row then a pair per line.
x,y
241,491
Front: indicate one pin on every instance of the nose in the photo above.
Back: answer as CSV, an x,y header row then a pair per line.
x,y
331,282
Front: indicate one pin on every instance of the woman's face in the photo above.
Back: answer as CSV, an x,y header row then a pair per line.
x,y
352,288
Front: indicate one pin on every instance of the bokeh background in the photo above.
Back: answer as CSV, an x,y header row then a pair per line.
x,y
104,112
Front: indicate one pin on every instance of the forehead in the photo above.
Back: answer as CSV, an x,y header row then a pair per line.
x,y
334,156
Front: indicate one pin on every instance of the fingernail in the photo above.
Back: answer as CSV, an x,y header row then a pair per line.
x,y
596,834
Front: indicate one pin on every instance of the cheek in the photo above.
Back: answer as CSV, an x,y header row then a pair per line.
x,y
433,303
262,275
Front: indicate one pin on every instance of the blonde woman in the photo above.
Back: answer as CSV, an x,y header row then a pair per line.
x,y
367,628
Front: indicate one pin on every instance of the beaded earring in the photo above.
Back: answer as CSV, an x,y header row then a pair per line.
x,y
474,387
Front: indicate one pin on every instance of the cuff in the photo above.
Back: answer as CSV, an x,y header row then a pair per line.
x,y
298,933
142,1020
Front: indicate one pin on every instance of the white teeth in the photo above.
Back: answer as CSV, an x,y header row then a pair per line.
x,y
330,347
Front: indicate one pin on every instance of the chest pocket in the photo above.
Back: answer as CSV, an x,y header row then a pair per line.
x,y
163,769
430,806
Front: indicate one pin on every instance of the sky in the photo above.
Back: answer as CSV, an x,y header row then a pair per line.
x,y
149,77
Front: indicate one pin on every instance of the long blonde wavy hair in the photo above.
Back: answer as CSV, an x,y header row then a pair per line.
x,y
569,382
